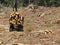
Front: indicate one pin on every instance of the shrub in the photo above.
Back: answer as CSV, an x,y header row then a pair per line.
x,y
29,29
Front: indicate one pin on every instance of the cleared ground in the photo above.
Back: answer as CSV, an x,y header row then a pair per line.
x,y
43,18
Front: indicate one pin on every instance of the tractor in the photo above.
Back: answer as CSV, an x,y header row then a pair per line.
x,y
16,20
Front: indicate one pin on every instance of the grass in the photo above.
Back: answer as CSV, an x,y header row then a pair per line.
x,y
0,10
29,28
30,21
48,25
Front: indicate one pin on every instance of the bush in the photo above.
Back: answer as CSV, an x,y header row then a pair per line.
x,y
37,2
29,29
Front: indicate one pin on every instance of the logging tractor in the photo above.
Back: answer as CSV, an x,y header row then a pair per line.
x,y
16,20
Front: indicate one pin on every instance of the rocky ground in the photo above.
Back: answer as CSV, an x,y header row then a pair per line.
x,y
43,18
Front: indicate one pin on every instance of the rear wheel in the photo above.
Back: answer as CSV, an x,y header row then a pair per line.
x,y
11,27
20,28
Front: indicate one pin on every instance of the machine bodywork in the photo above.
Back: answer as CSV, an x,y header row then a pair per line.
x,y
16,20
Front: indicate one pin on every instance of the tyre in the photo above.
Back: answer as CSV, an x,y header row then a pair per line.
x,y
11,27
20,28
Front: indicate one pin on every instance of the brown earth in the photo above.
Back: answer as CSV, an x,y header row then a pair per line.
x,y
43,18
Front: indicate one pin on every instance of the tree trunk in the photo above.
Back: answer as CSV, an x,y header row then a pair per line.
x,y
45,3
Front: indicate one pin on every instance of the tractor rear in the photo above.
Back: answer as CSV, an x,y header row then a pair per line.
x,y
16,20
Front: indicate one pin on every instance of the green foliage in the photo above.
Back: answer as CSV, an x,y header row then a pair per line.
x,y
48,25
37,2
29,29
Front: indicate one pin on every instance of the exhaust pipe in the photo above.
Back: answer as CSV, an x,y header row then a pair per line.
x,y
15,5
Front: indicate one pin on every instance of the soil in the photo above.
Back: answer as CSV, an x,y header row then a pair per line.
x,y
42,18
